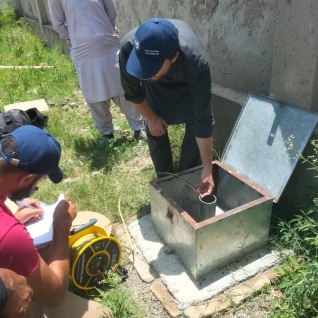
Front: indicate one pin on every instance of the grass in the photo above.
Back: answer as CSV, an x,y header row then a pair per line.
x,y
19,46
97,171
118,298
298,281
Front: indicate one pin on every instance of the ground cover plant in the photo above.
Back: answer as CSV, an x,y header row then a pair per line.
x,y
298,285
120,295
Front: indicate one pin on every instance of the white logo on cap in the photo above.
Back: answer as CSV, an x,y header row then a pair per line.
x,y
137,44
152,52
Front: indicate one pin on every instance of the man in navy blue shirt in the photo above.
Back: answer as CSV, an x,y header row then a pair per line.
x,y
165,73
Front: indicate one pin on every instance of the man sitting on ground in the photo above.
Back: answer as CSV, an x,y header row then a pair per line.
x,y
28,155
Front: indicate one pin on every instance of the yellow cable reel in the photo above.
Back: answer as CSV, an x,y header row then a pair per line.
x,y
92,254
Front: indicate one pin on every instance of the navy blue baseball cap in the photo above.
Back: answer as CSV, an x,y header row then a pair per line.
x,y
155,41
37,152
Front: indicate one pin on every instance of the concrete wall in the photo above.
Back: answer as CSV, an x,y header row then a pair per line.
x,y
238,35
295,76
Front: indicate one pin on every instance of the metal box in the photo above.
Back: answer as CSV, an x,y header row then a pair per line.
x,y
254,169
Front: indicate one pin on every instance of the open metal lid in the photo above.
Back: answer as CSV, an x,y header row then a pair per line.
x,y
265,141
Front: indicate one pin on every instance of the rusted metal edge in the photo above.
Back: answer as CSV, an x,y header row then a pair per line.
x,y
188,218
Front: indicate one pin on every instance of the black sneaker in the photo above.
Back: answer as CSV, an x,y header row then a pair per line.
x,y
108,136
140,134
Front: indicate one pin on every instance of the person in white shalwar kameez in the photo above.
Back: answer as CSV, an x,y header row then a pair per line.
x,y
90,27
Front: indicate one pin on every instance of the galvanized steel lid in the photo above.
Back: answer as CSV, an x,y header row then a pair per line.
x,y
259,147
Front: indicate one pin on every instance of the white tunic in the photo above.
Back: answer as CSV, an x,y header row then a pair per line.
x,y
90,26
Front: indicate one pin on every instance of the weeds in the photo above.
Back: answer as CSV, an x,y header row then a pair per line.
x,y
299,282
299,288
120,299
7,17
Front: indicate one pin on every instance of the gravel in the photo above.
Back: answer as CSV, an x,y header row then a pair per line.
x,y
257,307
144,296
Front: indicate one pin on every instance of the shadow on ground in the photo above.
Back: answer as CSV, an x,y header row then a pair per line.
x,y
103,153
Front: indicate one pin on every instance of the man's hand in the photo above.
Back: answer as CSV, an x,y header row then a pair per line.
x,y
19,295
207,184
65,209
157,126
24,214
50,280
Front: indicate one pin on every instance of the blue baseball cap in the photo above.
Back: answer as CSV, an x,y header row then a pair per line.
x,y
37,152
155,41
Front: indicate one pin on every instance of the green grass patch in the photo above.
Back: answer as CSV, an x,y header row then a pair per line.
x,y
21,47
118,299
299,272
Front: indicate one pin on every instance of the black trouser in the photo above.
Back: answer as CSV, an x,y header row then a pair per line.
x,y
160,151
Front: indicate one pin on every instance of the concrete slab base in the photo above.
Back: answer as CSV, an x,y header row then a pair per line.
x,y
183,288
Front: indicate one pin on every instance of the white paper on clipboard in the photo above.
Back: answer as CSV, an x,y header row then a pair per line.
x,y
41,230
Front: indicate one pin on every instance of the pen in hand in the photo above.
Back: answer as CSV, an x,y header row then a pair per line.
x,y
25,205
28,212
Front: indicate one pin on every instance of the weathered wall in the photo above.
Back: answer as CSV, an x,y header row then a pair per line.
x,y
29,9
238,35
36,10
295,73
